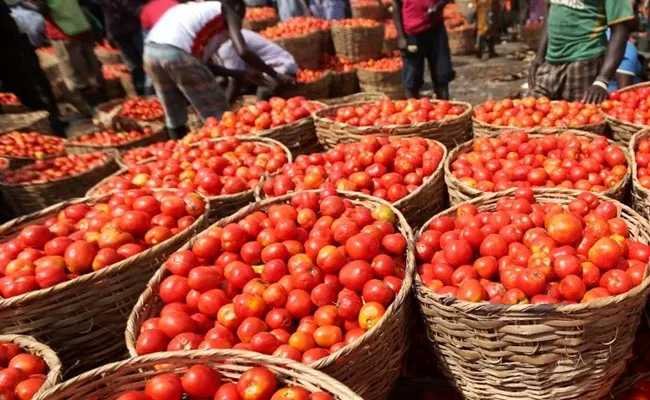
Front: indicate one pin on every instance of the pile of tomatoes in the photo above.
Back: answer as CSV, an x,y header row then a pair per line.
x,y
30,145
202,382
514,159
390,30
356,23
159,151
629,106
142,109
309,75
9,99
336,63
260,13
110,138
299,280
397,112
541,112
296,26
527,252
212,168
114,71
84,238
642,157
21,374
388,169
55,168
387,64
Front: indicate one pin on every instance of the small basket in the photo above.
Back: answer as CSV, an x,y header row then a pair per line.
x,y
318,89
305,49
36,121
260,24
26,198
388,82
358,43
459,192
343,83
532,36
640,195
49,357
327,43
372,364
623,130
375,12
448,132
158,134
363,97
83,319
108,57
528,351
462,42
112,380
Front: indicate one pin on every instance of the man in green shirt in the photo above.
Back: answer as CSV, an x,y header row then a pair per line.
x,y
575,60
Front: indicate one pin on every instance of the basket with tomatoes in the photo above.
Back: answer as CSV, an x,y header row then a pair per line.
x,y
225,170
343,74
570,160
390,37
368,9
462,39
300,36
626,111
358,39
35,121
145,154
71,273
533,286
640,148
408,172
383,75
10,103
320,276
99,139
493,117
361,97
43,183
447,122
27,367
259,18
310,84
207,374
23,148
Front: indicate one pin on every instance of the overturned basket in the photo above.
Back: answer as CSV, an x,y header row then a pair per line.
x,y
317,89
115,379
449,132
35,121
158,134
624,130
371,364
305,49
460,192
462,42
86,315
528,351
387,82
640,194
359,43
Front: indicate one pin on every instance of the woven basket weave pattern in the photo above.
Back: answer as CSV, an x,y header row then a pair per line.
x,y
640,194
259,25
306,49
363,97
462,42
158,134
358,43
318,89
343,84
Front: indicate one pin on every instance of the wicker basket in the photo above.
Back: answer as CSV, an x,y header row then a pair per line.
x,y
363,97
532,36
449,132
462,42
375,12
343,83
26,198
369,366
112,380
158,135
358,43
83,319
545,351
459,192
640,195
327,43
36,121
389,46
299,137
387,82
107,116
318,89
259,25
108,57
305,49
623,130
49,357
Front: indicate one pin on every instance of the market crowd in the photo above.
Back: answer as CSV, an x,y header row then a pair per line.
x,y
178,50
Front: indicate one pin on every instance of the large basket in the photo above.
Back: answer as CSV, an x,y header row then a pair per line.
x,y
449,132
299,137
343,84
460,192
387,82
83,319
260,24
369,366
108,57
158,135
623,130
49,357
36,121
110,381
640,195
363,97
544,351
26,198
462,42
327,43
358,43
305,49
375,12
318,89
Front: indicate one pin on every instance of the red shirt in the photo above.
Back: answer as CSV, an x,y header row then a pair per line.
x,y
415,17
153,11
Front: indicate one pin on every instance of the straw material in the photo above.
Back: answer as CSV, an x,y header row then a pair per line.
x,y
299,137
387,82
306,49
343,84
49,357
462,42
448,132
110,381
83,319
327,43
623,130
36,121
375,12
370,365
640,195
259,25
318,89
158,135
108,57
538,352
363,97
358,43
26,198
460,192
482,129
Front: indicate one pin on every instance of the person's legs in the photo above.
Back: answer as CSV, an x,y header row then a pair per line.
x,y
131,47
549,81
580,76
71,64
413,68
439,57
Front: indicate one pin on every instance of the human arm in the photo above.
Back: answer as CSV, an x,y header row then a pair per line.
x,y
539,57
220,70
402,44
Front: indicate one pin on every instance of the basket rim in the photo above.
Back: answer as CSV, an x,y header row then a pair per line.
x,y
632,150
314,32
94,275
620,121
155,130
340,27
302,121
492,308
470,191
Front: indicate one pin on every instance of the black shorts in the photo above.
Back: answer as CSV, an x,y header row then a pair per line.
x,y
433,45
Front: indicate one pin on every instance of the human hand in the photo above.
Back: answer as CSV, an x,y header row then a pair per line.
x,y
595,94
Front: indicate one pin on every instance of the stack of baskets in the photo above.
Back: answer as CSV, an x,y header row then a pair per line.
x,y
343,83
359,43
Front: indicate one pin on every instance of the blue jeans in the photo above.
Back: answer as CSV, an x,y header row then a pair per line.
x,y
433,45
131,47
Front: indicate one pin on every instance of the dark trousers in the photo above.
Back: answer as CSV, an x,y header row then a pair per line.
x,y
433,46
132,47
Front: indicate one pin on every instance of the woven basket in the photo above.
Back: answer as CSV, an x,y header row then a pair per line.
x,y
343,83
110,381
545,351
459,192
389,46
363,97
26,198
388,82
305,49
358,43
36,121
623,130
259,25
13,108
108,57
49,357
375,12
83,319
158,135
299,137
448,132
640,195
327,43
318,89
532,36
369,366
462,42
